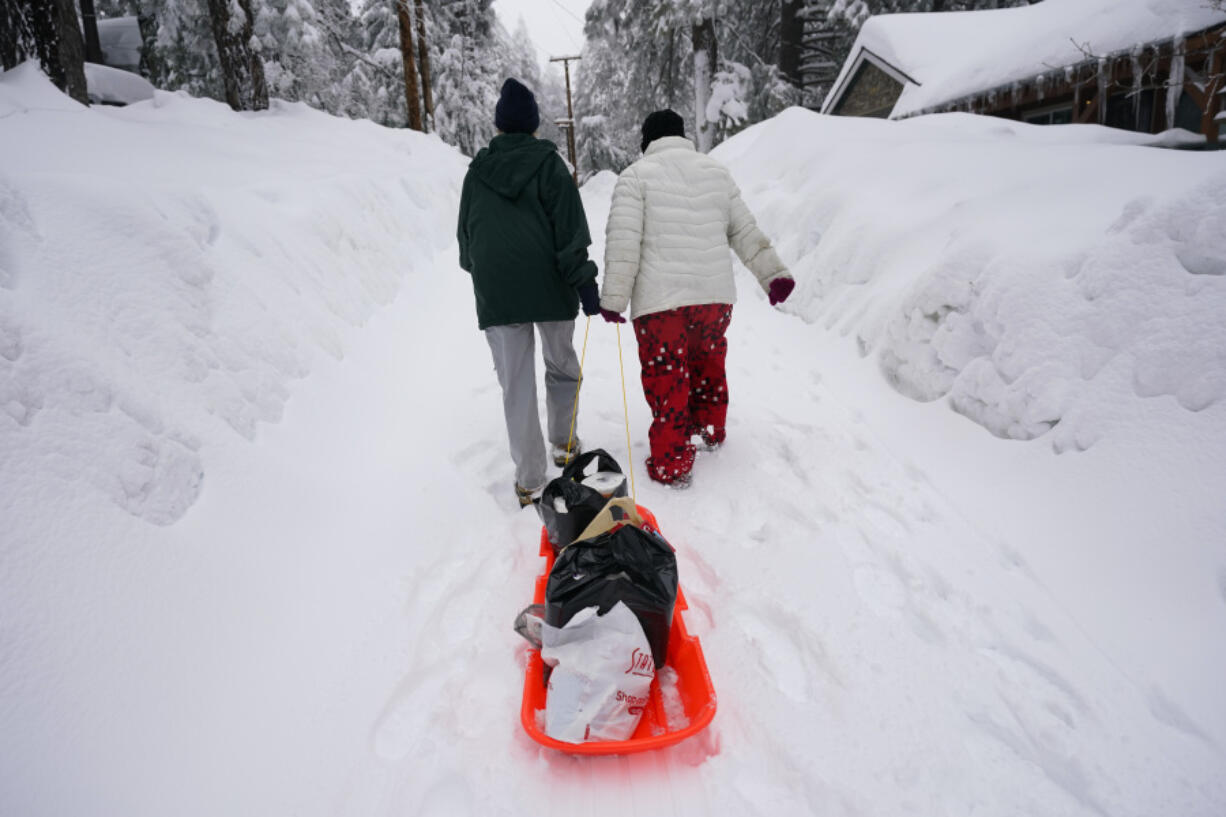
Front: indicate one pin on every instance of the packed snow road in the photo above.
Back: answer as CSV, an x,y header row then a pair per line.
x,y
902,613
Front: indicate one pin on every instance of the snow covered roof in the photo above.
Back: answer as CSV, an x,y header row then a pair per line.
x,y
115,86
950,55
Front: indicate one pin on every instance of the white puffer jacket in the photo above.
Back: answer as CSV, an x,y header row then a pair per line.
x,y
675,213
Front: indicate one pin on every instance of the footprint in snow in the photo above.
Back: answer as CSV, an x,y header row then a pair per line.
x,y
468,452
1036,693
1168,712
788,650
450,797
880,590
404,720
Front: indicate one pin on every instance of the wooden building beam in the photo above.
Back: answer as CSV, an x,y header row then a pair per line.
x,y
1215,84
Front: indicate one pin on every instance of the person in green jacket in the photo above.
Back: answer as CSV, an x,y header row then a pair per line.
x,y
523,238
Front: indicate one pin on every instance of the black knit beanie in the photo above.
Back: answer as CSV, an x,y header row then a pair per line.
x,y
516,111
662,123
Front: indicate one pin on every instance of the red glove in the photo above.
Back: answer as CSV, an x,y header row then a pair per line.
x,y
780,289
611,317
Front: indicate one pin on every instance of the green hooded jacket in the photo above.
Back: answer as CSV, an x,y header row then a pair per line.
x,y
523,234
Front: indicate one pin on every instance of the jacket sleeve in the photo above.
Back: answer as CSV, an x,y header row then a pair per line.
x,y
570,233
750,244
462,227
623,242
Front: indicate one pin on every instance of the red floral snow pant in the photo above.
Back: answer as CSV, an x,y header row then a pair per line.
x,y
682,352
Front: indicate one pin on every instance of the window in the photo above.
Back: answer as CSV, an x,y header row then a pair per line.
x,y
1061,115
872,92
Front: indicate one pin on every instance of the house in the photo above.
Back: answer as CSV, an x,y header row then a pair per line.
x,y
121,41
117,81
1142,65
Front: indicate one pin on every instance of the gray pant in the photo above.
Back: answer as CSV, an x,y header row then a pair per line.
x,y
514,350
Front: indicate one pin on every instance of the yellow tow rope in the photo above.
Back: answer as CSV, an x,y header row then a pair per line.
x,y
625,404
626,408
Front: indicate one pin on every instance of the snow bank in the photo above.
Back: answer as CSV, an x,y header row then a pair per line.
x,y
1041,283
953,54
203,261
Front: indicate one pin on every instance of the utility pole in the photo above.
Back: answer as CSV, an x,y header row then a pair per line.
x,y
568,124
423,56
410,64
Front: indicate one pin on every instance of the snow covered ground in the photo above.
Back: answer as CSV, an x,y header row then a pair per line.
x,y
259,553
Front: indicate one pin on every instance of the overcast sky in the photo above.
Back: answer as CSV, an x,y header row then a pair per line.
x,y
555,25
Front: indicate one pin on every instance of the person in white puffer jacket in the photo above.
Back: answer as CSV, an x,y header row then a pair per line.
x,y
675,214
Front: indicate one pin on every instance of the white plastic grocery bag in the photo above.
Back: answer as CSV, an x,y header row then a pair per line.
x,y
602,671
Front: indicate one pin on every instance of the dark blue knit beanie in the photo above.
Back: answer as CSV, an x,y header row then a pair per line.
x,y
516,111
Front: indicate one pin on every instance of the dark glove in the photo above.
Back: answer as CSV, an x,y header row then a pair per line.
x,y
611,317
589,296
780,289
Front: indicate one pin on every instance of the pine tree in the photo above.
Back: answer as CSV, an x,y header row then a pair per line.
x,y
304,45
242,67
375,80
638,58
551,97
17,40
47,30
702,34
521,60
467,62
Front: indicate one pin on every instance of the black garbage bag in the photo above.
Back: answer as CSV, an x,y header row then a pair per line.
x,y
626,564
567,506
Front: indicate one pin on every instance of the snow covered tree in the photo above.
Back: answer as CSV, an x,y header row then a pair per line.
x,y
375,79
17,40
408,60
303,49
638,58
49,31
467,59
754,83
551,97
423,62
304,43
242,68
521,60
705,61
791,39
179,52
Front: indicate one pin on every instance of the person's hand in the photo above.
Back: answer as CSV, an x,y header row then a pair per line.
x,y
589,296
611,317
781,288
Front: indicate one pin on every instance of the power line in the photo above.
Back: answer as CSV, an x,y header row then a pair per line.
x,y
568,11
563,26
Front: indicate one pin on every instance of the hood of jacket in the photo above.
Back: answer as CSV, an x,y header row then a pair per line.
x,y
511,161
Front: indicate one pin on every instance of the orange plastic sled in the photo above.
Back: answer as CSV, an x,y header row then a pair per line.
x,y
693,686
